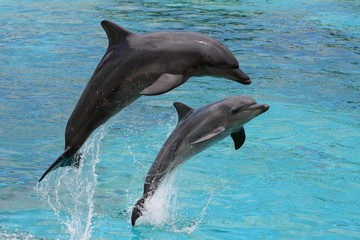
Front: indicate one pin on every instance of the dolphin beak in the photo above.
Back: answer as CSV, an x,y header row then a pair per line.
x,y
265,107
239,76
262,107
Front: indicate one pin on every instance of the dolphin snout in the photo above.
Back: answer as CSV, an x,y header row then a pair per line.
x,y
239,76
263,107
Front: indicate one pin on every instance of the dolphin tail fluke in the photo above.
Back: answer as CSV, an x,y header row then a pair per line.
x,y
136,212
68,158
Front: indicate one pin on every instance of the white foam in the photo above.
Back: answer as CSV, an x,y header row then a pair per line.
x,y
16,236
162,209
157,208
69,192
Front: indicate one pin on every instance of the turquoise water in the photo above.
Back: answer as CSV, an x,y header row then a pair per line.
x,y
296,177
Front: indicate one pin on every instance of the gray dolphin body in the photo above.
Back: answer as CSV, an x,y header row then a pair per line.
x,y
196,131
141,64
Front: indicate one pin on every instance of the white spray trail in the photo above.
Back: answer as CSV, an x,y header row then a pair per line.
x,y
69,192
158,207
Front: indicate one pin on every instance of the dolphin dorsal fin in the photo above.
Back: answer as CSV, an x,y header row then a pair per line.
x,y
182,109
114,32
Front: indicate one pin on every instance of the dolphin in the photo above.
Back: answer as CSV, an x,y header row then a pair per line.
x,y
141,64
197,130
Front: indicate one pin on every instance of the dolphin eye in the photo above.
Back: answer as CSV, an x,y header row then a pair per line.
x,y
235,110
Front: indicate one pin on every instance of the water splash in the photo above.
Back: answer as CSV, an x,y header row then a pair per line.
x,y
69,192
158,207
163,211
190,227
16,236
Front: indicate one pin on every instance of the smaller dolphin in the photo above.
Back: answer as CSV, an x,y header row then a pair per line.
x,y
197,130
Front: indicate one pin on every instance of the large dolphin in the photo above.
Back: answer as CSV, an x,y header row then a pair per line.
x,y
141,64
196,131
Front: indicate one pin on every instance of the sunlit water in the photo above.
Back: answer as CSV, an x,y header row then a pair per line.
x,y
296,177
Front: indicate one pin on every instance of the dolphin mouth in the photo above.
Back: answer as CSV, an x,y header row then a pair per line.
x,y
262,107
239,76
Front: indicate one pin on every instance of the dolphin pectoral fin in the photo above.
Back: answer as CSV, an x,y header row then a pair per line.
x,y
210,135
239,138
136,212
164,83
66,159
